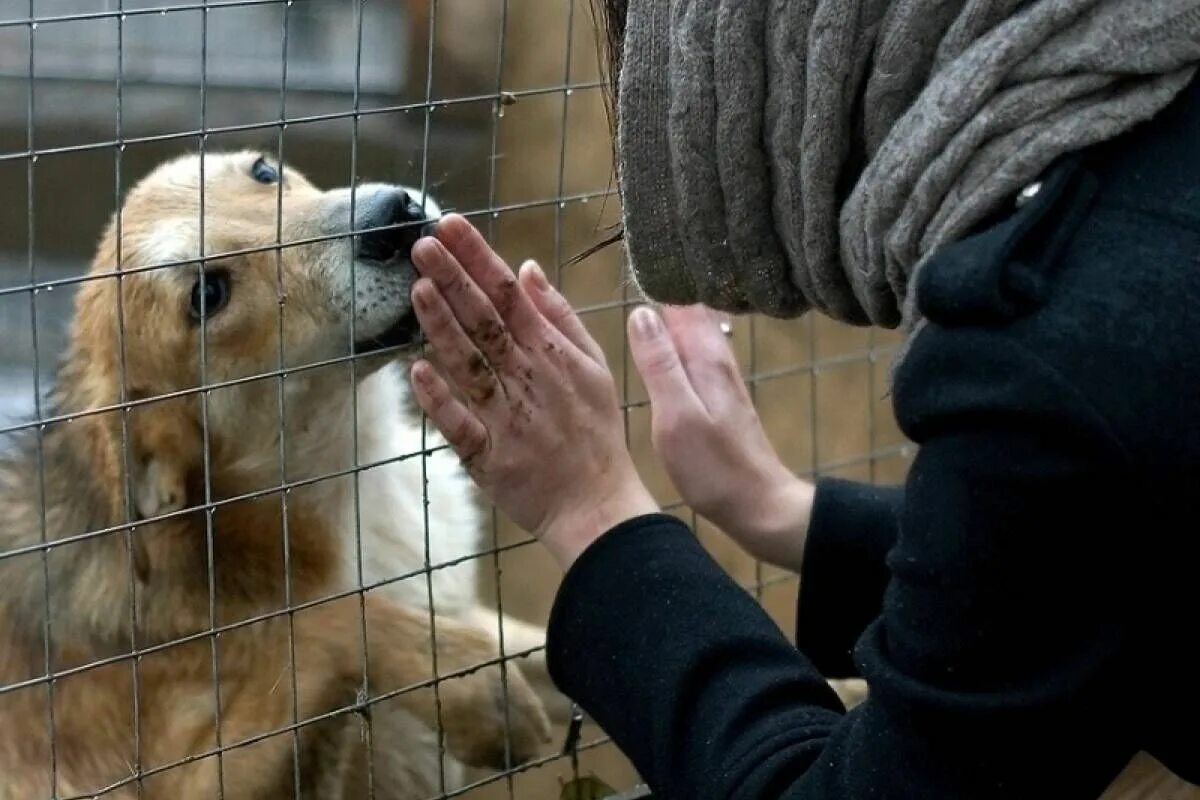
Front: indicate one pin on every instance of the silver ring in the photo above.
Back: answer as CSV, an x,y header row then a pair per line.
x,y
727,328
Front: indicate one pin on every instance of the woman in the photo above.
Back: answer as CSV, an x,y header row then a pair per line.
x,y
1019,185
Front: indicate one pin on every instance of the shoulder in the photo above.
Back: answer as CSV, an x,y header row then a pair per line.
x,y
1083,299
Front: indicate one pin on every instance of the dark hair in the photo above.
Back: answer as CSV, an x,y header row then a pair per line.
x,y
609,16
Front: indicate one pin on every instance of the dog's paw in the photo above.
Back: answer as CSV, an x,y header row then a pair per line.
x,y
493,719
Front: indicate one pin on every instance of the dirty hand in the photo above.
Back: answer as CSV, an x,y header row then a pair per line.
x,y
708,434
536,422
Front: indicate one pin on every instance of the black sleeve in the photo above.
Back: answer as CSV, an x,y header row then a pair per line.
x,y
1039,595
995,645
853,526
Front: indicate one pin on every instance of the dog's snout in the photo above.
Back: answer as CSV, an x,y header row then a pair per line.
x,y
400,221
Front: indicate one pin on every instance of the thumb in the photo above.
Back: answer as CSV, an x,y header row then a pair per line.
x,y
658,363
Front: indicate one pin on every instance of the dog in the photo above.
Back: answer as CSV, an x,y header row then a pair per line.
x,y
148,511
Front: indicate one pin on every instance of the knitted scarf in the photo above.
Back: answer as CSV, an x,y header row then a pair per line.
x,y
786,155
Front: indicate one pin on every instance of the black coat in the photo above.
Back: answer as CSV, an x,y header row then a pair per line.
x,y
1023,607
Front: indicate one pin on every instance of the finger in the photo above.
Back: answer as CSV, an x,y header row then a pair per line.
x,y
658,363
476,315
462,430
466,365
707,357
558,312
492,275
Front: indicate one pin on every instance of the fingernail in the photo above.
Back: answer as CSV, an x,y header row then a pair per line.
x,y
420,294
450,226
420,372
422,251
646,323
539,277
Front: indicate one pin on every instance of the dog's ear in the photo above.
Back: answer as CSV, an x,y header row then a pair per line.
x,y
165,452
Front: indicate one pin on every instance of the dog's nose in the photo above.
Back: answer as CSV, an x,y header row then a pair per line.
x,y
402,220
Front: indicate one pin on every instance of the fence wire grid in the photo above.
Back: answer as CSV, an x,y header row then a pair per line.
x,y
493,108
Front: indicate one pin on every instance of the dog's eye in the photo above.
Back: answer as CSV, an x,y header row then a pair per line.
x,y
210,293
264,172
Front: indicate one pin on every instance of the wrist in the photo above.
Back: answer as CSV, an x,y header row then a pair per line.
x,y
571,530
777,528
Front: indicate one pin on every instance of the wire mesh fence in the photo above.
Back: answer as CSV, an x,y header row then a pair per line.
x,y
235,561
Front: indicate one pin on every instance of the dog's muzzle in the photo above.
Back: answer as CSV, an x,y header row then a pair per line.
x,y
394,223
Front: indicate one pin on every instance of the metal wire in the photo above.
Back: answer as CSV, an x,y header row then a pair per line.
x,y
99,16
205,427
122,398
481,203
572,744
298,242
365,688
333,116
881,454
37,404
281,399
431,36
497,584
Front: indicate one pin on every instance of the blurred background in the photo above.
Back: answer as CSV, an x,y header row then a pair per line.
x,y
494,105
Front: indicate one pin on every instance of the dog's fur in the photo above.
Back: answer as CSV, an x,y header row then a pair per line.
x,y
94,598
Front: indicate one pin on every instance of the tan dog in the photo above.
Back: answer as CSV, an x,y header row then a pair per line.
x,y
257,550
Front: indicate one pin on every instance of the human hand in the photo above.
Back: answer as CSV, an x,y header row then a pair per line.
x,y
708,434
538,424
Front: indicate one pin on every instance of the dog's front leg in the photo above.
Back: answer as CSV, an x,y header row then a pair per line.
x,y
528,641
482,712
